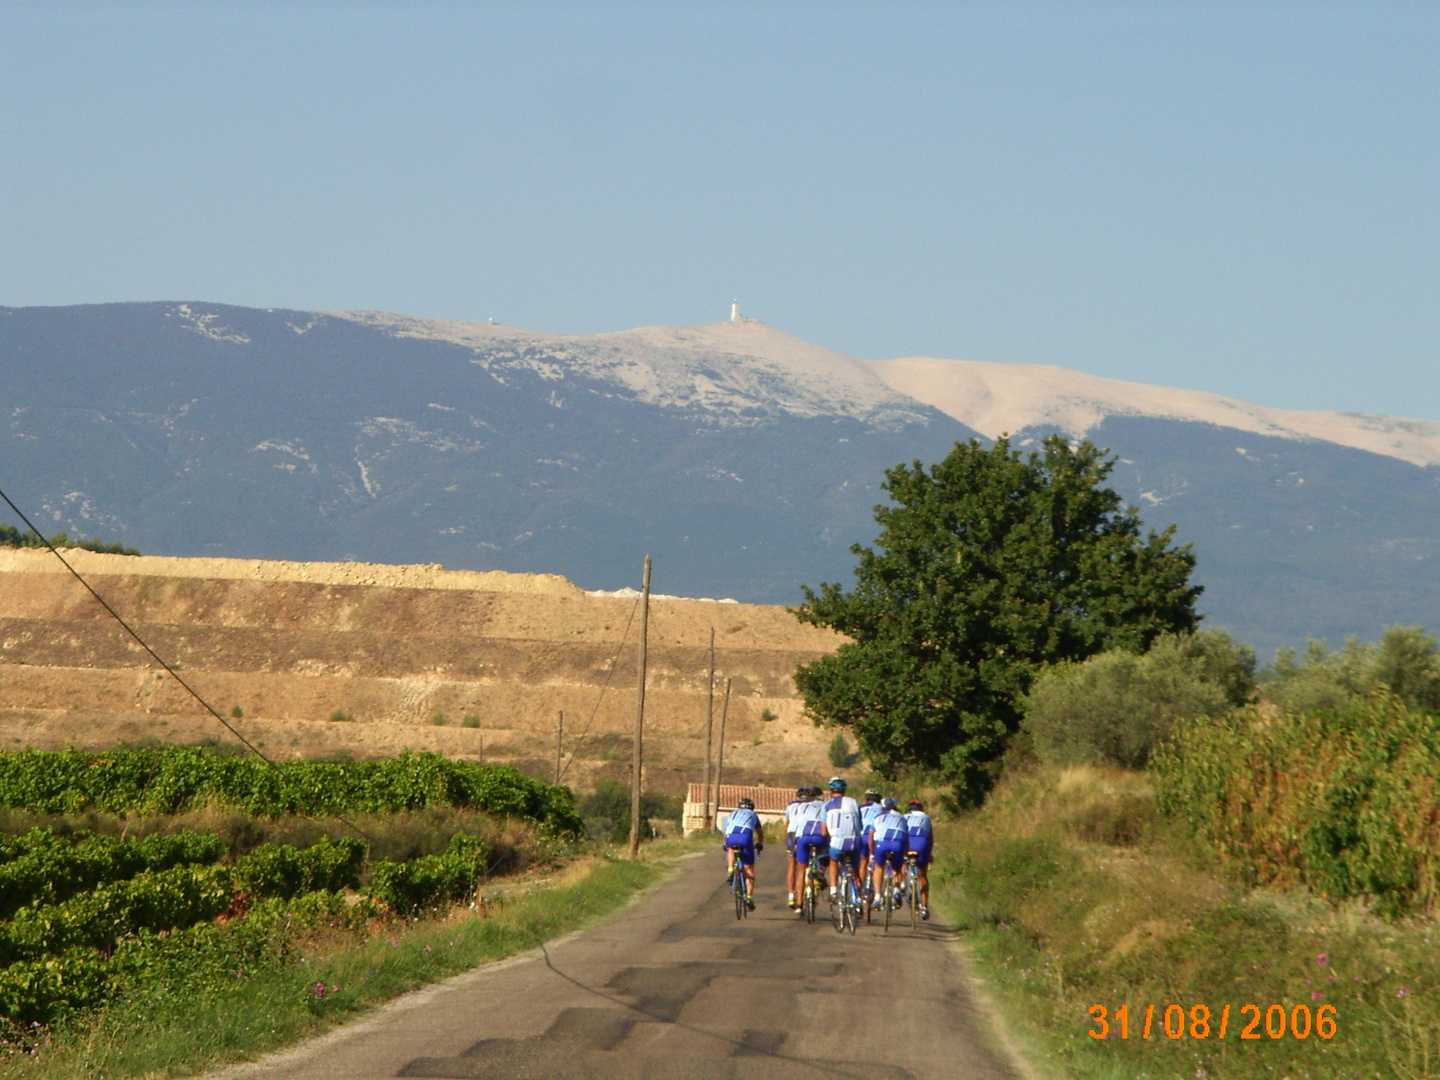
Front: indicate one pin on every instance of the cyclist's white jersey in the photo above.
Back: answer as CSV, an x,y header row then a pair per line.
x,y
809,816
842,818
867,814
891,828
918,823
792,822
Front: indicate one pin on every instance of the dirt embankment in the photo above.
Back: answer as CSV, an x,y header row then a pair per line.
x,y
288,644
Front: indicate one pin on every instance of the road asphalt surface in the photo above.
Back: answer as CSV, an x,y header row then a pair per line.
x,y
674,987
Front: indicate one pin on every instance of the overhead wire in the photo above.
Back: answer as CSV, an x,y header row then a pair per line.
x,y
158,659
215,713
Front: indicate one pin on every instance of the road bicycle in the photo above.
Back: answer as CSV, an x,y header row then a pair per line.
x,y
814,887
737,885
845,909
911,887
889,898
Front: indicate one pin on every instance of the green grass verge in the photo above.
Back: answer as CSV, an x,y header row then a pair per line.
x,y
181,1035
1070,893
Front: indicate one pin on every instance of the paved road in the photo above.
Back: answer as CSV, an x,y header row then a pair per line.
x,y
676,988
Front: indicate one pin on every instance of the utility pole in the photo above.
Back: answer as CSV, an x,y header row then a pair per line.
x,y
638,757
720,756
559,744
709,727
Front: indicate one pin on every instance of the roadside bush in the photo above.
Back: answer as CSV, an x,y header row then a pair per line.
x,y
1117,707
839,751
1343,802
606,811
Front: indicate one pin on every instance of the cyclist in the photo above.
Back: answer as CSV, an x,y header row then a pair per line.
x,y
921,834
842,829
792,822
744,831
889,841
868,809
810,840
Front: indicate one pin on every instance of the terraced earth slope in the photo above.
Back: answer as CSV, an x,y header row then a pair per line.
x,y
290,644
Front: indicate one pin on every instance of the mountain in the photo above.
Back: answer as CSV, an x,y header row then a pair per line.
x,y
744,459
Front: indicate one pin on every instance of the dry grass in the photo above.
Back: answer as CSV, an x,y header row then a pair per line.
x,y
1072,893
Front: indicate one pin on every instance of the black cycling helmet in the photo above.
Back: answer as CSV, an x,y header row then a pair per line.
x,y
887,803
801,792
747,804
837,783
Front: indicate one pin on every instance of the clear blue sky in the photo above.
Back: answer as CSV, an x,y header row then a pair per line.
x,y
1238,198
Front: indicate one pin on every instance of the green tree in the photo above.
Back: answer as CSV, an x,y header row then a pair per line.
x,y
1406,660
989,566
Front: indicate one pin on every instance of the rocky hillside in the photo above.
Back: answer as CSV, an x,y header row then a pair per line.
x,y
290,644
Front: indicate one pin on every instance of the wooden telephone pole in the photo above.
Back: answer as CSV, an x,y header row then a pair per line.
x,y
709,728
720,755
559,745
638,757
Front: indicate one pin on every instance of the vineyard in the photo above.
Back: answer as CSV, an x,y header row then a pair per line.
x,y
87,917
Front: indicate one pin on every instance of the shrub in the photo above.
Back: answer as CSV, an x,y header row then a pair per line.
x,y
49,869
237,713
285,871
437,719
340,716
472,720
606,811
1116,707
839,750
1343,802
427,882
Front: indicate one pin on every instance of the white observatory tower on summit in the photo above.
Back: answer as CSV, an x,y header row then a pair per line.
x,y
735,310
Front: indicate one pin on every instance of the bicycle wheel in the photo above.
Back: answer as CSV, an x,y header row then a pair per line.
x,y
914,899
852,906
808,902
887,896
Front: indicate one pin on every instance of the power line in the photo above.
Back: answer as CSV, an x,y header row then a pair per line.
x,y
134,634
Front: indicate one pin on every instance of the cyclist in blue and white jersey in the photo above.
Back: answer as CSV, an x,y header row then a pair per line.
x,y
810,840
922,835
792,822
889,841
842,829
744,831
868,809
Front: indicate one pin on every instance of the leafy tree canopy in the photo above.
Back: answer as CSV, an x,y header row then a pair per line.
x,y
1116,707
990,565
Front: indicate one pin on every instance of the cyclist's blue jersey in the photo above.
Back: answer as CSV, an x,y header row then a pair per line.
x,y
918,825
791,822
868,813
891,828
740,826
809,816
